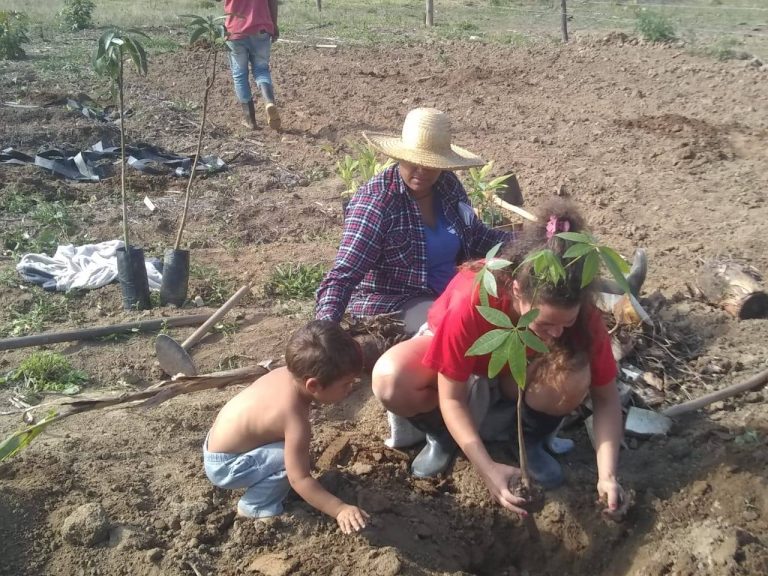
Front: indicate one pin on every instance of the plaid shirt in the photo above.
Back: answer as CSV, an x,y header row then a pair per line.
x,y
382,259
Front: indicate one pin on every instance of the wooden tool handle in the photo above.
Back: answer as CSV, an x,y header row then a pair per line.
x,y
198,334
707,399
514,209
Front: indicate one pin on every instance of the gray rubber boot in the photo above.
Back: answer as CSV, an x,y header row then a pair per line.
x,y
273,116
440,449
249,115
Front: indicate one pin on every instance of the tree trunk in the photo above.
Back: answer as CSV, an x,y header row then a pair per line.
x,y
734,287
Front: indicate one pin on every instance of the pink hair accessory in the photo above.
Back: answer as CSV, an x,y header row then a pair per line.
x,y
554,225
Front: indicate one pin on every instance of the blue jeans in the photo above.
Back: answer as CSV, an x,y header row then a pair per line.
x,y
253,50
261,472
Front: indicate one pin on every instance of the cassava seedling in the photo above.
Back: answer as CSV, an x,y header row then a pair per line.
x,y
481,189
507,342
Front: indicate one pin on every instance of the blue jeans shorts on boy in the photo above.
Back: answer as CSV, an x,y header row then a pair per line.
x,y
261,472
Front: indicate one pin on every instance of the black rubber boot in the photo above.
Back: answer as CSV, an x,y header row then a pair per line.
x,y
542,466
273,116
249,114
440,449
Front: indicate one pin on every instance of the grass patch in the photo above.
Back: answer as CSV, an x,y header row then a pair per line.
x,y
160,44
208,283
43,372
294,281
40,225
654,26
41,310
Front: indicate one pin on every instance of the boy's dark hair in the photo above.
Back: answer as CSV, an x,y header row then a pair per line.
x,y
323,350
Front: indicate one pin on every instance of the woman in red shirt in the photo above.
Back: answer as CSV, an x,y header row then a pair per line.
x,y
428,379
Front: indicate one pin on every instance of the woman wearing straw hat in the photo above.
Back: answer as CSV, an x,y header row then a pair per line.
x,y
408,228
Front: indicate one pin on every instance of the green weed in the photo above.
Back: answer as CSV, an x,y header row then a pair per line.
x,y
13,33
161,44
482,188
749,437
41,310
209,284
294,281
356,170
654,26
76,14
42,372
725,49
230,363
43,226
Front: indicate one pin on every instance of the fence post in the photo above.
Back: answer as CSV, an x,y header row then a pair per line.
x,y
430,12
563,20
319,5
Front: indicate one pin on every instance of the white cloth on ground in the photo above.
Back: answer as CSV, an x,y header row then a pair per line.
x,y
87,267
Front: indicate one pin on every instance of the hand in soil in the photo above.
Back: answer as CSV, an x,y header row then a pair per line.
x,y
614,500
351,519
498,480
533,495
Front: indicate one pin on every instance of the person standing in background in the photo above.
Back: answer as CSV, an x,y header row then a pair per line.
x,y
251,28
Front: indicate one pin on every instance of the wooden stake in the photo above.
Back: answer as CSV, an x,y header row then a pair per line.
x,y
564,20
430,13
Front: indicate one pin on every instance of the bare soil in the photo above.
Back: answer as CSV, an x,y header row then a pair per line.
x,y
661,148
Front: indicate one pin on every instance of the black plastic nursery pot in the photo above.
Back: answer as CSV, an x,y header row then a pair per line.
x,y
173,288
132,275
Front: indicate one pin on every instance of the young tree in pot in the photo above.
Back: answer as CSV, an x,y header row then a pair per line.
x,y
210,30
507,342
114,47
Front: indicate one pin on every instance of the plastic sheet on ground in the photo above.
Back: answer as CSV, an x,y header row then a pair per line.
x,y
79,267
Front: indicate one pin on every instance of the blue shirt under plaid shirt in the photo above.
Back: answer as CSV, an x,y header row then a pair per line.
x,y
382,259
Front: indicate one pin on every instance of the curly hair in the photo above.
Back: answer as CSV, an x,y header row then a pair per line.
x,y
553,216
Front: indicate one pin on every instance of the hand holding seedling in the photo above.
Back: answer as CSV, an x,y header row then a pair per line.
x,y
498,478
351,518
614,500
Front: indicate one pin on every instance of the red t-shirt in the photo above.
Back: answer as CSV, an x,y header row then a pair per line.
x,y
456,325
248,17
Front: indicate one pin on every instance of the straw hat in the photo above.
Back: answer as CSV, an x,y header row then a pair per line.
x,y
426,141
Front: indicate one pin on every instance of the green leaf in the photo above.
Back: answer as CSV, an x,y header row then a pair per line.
x,y
487,343
492,252
17,441
497,264
518,363
493,184
498,359
533,342
578,250
489,283
588,272
611,254
527,318
495,317
196,34
576,237
615,270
